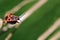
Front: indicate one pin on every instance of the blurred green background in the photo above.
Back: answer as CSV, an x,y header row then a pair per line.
x,y
34,25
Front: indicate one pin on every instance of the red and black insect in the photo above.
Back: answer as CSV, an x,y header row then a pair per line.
x,y
10,18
